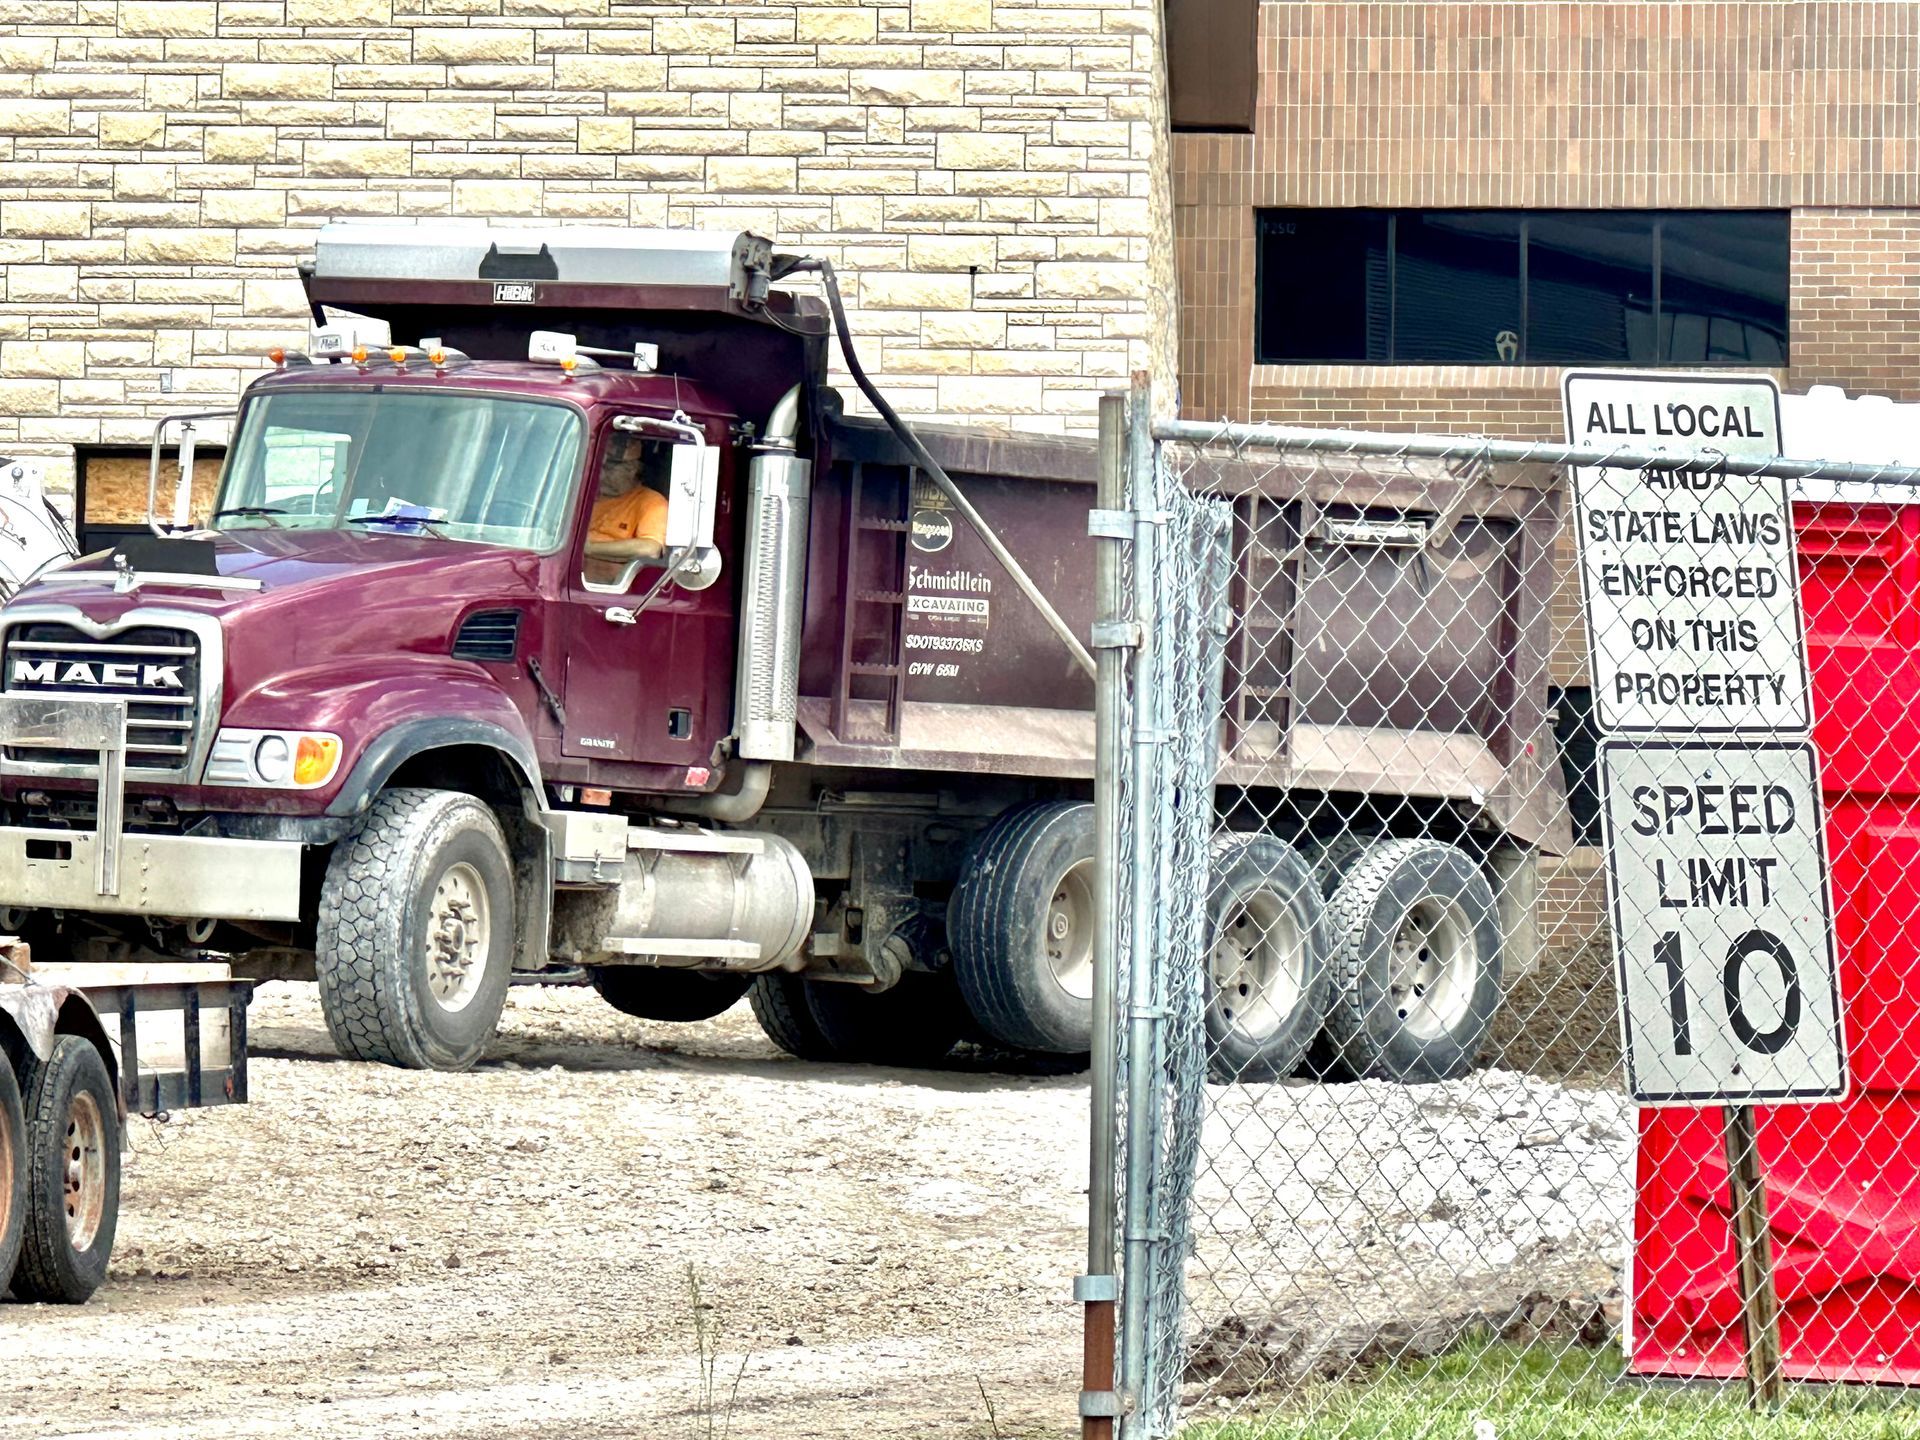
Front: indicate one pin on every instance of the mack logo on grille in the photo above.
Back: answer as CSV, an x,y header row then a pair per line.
x,y
114,673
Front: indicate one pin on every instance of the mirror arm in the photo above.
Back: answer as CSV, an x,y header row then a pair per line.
x,y
153,463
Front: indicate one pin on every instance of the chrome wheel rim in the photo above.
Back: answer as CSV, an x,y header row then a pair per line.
x,y
457,933
1433,968
84,1170
1258,966
1067,933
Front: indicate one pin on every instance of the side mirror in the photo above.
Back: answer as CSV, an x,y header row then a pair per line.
x,y
693,494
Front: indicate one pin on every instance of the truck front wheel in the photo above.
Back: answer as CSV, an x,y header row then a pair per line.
x,y
415,940
73,1175
1021,926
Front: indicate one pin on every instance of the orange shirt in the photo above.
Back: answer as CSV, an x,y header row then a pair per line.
x,y
640,514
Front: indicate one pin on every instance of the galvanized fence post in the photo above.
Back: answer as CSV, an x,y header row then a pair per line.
x,y
1098,1288
1142,1111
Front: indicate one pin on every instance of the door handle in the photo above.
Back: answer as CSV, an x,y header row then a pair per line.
x,y
620,615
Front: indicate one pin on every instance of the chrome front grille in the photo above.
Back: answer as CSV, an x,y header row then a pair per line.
x,y
154,668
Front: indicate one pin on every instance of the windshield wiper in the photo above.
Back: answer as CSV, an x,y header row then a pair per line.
x,y
268,510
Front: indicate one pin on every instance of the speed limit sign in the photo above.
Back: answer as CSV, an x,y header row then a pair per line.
x,y
1722,924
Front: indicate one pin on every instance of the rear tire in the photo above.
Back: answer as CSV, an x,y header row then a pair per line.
x,y
1332,857
1268,979
916,1021
1416,964
647,992
779,1000
414,949
14,1150
73,1175
1021,927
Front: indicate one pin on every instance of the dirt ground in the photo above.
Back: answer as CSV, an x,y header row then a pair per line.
x,y
370,1252
511,1253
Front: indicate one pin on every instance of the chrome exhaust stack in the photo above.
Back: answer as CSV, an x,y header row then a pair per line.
x,y
773,589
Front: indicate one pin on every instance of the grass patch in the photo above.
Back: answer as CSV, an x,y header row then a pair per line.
x,y
1539,1392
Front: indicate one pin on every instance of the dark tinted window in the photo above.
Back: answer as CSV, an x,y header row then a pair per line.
x,y
1544,287
1322,284
1723,288
1456,286
1590,289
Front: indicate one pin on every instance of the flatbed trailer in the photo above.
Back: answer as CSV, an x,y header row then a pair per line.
x,y
66,1089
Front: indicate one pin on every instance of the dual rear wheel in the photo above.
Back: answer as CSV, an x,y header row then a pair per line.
x,y
1379,959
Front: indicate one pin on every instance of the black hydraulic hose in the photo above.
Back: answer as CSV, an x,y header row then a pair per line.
x,y
939,476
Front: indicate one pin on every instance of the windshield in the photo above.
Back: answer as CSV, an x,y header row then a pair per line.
x,y
462,467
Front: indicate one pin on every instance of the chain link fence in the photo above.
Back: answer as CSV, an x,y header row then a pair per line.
x,y
1379,1170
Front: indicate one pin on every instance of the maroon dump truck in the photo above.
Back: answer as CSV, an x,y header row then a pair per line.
x,y
412,713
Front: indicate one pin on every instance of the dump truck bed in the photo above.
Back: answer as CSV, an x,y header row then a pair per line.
x,y
1391,631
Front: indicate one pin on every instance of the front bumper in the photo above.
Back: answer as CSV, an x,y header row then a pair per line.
x,y
180,876
104,871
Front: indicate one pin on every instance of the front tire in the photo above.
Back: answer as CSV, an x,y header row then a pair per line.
x,y
1416,963
647,992
1021,925
415,940
73,1175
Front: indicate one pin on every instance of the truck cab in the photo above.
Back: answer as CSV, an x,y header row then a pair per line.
x,y
405,591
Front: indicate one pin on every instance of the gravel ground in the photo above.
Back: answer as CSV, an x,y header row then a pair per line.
x,y
369,1252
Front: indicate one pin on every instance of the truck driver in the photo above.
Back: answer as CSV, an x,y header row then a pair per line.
x,y
629,519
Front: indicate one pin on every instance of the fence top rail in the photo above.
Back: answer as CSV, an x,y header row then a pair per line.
x,y
1535,452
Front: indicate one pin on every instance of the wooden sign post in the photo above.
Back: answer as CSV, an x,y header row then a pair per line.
x,y
1753,1255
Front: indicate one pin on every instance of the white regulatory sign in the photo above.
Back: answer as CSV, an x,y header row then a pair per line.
x,y
1717,876
1689,582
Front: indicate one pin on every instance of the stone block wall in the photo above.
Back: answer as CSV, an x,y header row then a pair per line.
x,y
989,176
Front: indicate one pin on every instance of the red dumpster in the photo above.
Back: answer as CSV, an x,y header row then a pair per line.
x,y
1843,1180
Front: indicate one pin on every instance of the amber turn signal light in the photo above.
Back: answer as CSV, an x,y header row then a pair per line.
x,y
314,759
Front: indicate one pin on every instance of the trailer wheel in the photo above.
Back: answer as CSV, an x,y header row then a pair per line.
x,y
650,993
916,1021
1021,927
1268,977
13,1169
779,1000
415,939
1416,963
73,1175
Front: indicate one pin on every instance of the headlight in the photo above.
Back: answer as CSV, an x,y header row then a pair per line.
x,y
273,759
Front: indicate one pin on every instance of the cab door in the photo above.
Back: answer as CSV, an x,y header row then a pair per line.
x,y
648,675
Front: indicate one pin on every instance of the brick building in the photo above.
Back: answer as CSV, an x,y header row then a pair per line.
x,y
989,175
1534,185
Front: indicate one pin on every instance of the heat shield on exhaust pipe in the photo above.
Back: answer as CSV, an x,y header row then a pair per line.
x,y
772,604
